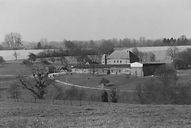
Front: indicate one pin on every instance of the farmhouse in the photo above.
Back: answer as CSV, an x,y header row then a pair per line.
x,y
118,62
126,57
120,57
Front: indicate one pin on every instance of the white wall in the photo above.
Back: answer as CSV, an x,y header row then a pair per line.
x,y
118,61
137,71
103,59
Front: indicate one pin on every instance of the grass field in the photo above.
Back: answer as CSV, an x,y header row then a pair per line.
x,y
120,81
14,69
95,115
36,115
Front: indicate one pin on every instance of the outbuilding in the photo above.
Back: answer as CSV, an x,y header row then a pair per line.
x,y
137,69
149,68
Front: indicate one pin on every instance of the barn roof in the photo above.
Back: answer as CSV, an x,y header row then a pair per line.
x,y
119,54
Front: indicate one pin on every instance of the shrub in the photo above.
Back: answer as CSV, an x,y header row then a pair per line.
x,y
153,91
27,62
2,60
1,47
181,94
156,92
52,59
45,62
71,94
32,57
104,96
104,81
81,94
114,95
167,74
61,94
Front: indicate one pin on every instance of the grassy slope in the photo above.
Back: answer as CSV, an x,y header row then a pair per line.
x,y
21,115
121,81
14,69
8,74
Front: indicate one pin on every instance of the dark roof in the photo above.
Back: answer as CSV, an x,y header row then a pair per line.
x,y
145,63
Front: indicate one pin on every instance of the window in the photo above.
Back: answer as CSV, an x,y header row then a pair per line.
x,y
114,61
117,61
120,61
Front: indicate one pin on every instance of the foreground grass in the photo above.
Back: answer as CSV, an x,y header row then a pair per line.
x,y
33,115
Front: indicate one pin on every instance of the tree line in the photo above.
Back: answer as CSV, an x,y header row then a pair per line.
x,y
14,40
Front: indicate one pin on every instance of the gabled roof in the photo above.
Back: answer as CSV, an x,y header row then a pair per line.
x,y
119,54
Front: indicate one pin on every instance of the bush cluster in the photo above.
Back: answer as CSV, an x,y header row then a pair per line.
x,y
2,60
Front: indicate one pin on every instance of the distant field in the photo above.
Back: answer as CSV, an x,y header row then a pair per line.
x,y
102,115
22,54
159,51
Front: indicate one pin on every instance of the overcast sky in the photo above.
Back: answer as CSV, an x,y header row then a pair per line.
x,y
95,19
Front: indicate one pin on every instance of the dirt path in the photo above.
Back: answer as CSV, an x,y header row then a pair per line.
x,y
79,86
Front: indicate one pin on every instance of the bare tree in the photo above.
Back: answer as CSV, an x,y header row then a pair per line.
x,y
172,52
43,41
64,61
13,40
152,56
138,53
94,58
38,85
15,54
